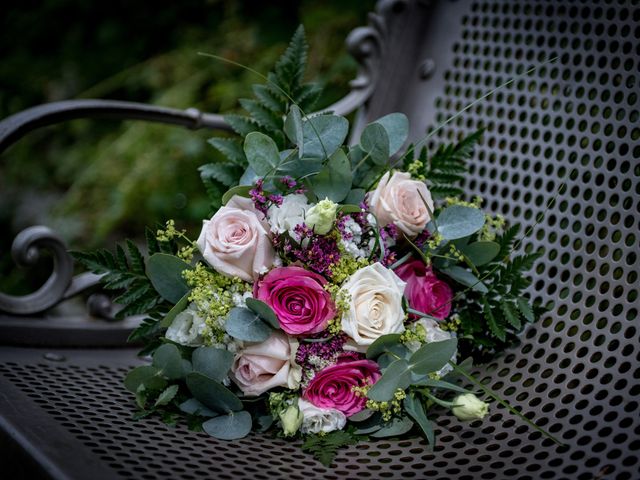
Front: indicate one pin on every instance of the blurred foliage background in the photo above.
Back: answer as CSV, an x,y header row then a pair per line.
x,y
98,181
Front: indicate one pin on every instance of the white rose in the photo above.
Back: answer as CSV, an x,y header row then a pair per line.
x,y
290,213
375,307
187,328
317,420
236,240
262,366
401,201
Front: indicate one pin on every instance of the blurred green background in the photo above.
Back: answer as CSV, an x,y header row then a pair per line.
x,y
98,181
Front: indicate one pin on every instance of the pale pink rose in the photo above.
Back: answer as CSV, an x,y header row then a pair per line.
x,y
266,365
332,387
398,200
236,241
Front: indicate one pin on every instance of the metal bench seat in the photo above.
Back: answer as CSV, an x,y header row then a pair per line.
x,y
65,414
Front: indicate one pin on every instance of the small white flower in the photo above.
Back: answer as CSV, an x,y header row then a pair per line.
x,y
187,328
321,216
290,213
320,419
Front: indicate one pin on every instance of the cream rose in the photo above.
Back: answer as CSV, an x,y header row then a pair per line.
x,y
317,419
236,241
375,307
262,366
398,200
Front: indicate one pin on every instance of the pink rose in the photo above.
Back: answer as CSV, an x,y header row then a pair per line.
x,y
263,366
401,201
236,241
298,298
332,387
424,291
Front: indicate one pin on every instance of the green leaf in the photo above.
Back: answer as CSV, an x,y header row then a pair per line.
x,y
375,142
289,70
264,311
394,428
167,395
415,409
396,126
349,209
229,427
241,124
262,153
225,173
324,447
212,362
511,313
525,309
430,382
362,415
146,375
137,260
230,148
168,361
240,190
175,310
458,221
165,273
334,180
383,344
481,253
496,328
397,375
466,278
243,324
194,407
432,356
261,115
323,135
212,394
293,129
355,196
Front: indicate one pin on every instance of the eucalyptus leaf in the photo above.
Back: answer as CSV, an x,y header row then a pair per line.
x,y
168,361
262,153
414,408
243,324
355,197
465,277
241,190
212,362
212,393
382,344
334,180
194,407
375,141
323,135
165,273
147,376
175,310
293,128
361,416
370,424
481,253
265,312
394,428
167,395
432,356
349,209
396,126
458,221
229,427
397,375
433,383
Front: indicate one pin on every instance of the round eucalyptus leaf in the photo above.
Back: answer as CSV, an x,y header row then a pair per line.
x,y
432,356
375,142
264,311
334,180
194,407
262,153
243,324
165,273
397,375
394,428
397,127
168,361
323,135
481,253
146,375
229,427
458,221
212,362
382,344
212,394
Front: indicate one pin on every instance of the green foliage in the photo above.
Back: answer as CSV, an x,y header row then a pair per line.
x,y
325,447
127,273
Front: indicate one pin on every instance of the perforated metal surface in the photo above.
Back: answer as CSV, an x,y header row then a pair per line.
x,y
576,372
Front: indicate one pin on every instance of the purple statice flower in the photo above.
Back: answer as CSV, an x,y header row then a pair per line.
x,y
258,197
288,182
276,199
422,238
316,252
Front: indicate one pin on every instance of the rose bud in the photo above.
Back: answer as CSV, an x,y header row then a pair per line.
x,y
468,407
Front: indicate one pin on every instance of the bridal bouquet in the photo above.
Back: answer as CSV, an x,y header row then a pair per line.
x,y
335,291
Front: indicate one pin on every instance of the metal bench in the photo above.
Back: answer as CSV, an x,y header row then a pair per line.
x,y
65,414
